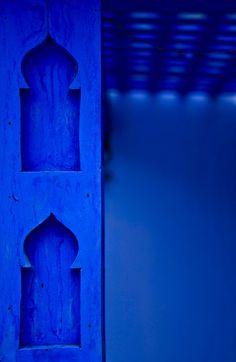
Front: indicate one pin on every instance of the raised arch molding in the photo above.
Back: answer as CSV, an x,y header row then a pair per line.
x,y
50,110
50,301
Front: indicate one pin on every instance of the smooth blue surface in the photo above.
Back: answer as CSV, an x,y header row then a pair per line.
x,y
171,230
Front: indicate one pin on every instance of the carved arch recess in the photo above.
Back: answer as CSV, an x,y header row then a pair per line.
x,y
50,300
50,110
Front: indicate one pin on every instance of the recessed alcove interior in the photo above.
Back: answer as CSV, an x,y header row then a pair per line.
x,y
50,300
50,110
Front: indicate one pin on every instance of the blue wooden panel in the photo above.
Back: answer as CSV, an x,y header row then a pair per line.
x,y
48,108
50,297
51,214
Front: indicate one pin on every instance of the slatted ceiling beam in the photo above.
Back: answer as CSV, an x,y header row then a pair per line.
x,y
123,43
221,83
229,58
192,60
175,59
158,56
112,28
180,51
195,72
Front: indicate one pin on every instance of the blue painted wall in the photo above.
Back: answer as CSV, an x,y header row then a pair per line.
x,y
51,216
171,230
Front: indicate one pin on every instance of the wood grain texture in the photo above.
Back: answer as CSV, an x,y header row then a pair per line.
x,y
73,197
49,110
50,287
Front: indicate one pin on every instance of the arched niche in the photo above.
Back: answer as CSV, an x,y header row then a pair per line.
x,y
50,110
50,300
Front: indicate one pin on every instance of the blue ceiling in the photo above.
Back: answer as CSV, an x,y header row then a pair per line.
x,y
179,48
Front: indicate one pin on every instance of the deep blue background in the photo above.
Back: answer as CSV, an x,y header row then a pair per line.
x,y
170,5
171,230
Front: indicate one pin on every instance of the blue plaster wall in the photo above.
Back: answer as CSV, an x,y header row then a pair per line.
x,y
171,230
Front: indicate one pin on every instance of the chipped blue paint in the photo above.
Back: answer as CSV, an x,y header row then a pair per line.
x,y
51,215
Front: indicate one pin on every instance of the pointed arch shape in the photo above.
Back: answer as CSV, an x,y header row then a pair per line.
x,y
50,109
48,47
50,301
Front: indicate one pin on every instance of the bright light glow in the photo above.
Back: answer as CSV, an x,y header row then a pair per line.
x,y
217,55
113,93
144,15
198,96
189,27
168,95
143,26
141,45
184,37
192,16
229,98
229,28
180,46
142,36
227,38
138,94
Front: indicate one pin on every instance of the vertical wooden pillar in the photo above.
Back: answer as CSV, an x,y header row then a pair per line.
x,y
50,181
